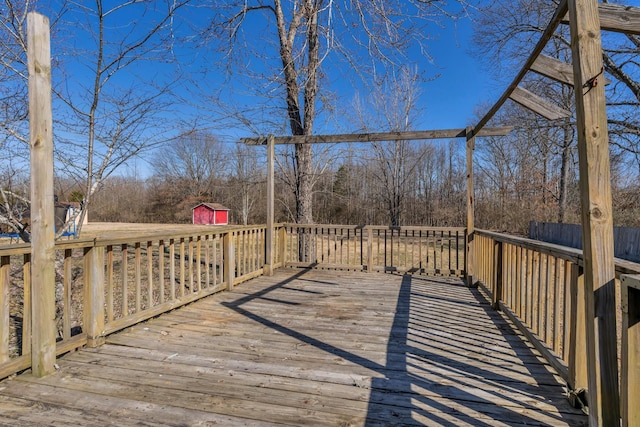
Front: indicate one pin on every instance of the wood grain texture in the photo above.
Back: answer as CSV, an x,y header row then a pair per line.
x,y
306,347
619,18
269,243
469,256
597,215
556,70
373,137
538,105
5,299
630,375
42,195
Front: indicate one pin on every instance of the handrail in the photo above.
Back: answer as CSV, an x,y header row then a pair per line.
x,y
405,249
538,285
107,284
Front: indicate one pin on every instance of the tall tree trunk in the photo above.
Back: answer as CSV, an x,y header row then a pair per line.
x,y
301,123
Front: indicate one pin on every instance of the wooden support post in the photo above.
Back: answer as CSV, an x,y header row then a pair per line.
x,y
630,387
498,276
578,379
597,219
268,267
43,344
471,142
228,257
94,295
370,249
282,248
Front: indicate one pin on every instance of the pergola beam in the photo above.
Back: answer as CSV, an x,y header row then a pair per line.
x,y
556,70
538,105
617,18
537,50
373,137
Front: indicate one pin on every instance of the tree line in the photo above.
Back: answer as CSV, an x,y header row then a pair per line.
x,y
185,78
511,188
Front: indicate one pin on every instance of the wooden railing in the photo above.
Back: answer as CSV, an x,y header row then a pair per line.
x,y
104,285
539,286
419,250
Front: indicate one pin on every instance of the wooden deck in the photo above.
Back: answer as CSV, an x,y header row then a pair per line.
x,y
306,347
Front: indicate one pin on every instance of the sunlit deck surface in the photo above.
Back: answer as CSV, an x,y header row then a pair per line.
x,y
306,347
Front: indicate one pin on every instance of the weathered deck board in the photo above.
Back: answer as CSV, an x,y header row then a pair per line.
x,y
306,348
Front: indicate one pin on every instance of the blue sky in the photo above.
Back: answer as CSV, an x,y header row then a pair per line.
x,y
463,84
447,102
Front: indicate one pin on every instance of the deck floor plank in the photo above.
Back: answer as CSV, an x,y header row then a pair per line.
x,y
306,347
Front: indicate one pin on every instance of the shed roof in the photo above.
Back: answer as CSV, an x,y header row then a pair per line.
x,y
214,206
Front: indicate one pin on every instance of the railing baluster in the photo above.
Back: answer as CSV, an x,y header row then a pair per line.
x,y
566,309
109,283
66,294
498,276
26,303
125,280
161,270
198,264
149,274
182,268
557,292
207,261
191,261
5,303
172,268
138,280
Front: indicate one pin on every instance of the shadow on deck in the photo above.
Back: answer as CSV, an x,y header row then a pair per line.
x,y
306,347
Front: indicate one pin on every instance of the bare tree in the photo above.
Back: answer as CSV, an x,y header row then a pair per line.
x,y
113,113
106,111
14,128
297,47
13,73
246,181
506,30
191,163
14,203
393,107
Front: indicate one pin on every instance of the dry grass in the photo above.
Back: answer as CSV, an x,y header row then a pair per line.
x,y
115,230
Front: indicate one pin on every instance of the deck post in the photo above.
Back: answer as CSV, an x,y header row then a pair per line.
x,y
228,259
578,379
282,245
94,295
268,267
597,219
469,273
630,374
497,267
43,343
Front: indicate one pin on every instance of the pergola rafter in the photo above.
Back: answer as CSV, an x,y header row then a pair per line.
x,y
617,18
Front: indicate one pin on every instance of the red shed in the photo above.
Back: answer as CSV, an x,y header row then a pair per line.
x,y
210,214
